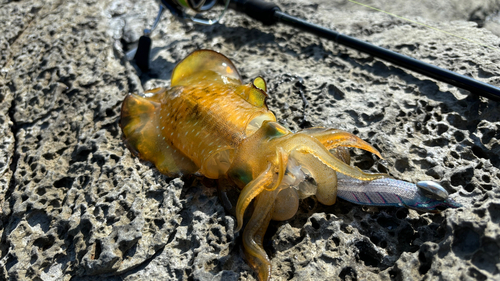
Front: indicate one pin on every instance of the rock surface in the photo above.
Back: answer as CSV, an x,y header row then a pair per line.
x,y
75,204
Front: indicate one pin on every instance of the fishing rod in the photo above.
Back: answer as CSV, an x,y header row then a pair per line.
x,y
269,14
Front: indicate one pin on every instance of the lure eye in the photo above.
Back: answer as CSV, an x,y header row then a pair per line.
x,y
433,190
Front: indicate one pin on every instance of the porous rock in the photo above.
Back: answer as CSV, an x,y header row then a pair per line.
x,y
76,204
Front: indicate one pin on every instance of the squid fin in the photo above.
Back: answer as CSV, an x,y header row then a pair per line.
x,y
260,83
257,93
206,65
254,93
140,127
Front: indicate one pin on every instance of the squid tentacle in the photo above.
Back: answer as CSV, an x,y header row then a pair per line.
x,y
256,186
282,159
251,190
333,138
253,234
331,161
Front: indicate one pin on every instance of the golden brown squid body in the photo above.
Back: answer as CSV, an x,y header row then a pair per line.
x,y
209,122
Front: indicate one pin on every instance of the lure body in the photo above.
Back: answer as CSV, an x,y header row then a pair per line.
x,y
210,123
391,192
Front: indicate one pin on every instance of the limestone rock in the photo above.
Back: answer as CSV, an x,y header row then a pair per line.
x,y
76,205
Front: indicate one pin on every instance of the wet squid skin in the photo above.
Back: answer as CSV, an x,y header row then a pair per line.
x,y
210,123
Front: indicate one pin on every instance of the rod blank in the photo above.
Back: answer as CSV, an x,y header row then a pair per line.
x,y
269,13
441,74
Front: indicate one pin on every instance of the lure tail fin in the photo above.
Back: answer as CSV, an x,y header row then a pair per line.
x,y
142,133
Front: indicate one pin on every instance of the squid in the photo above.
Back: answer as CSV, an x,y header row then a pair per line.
x,y
209,123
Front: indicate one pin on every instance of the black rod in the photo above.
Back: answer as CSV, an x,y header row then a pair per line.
x,y
269,13
450,77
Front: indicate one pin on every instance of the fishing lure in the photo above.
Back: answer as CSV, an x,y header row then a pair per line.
x,y
209,123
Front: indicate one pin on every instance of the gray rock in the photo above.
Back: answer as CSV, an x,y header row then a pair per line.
x,y
75,204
